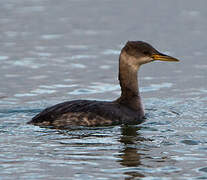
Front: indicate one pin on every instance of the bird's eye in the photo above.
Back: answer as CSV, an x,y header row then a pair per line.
x,y
145,53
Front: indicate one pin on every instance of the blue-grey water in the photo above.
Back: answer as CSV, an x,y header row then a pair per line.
x,y
52,51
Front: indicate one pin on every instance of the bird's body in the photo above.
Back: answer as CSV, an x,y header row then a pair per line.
x,y
87,113
127,109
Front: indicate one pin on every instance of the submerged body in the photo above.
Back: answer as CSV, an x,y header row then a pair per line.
x,y
127,109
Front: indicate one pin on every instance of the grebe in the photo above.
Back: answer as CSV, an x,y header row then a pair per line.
x,y
127,109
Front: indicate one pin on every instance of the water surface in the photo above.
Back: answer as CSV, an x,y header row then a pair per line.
x,y
56,51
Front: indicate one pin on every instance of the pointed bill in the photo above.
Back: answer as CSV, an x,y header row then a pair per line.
x,y
163,57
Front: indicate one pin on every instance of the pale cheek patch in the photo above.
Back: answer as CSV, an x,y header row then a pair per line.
x,y
135,63
145,59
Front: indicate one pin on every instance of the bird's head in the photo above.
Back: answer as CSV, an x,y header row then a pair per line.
x,y
139,52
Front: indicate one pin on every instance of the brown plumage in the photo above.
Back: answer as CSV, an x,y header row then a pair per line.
x,y
127,109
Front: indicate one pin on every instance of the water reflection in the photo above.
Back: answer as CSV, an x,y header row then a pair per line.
x,y
130,157
51,36
4,58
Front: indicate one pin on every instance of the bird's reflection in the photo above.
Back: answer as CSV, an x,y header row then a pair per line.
x,y
129,154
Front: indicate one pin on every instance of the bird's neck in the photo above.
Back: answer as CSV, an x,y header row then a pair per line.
x,y
128,79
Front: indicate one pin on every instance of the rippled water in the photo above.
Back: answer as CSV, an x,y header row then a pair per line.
x,y
52,51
